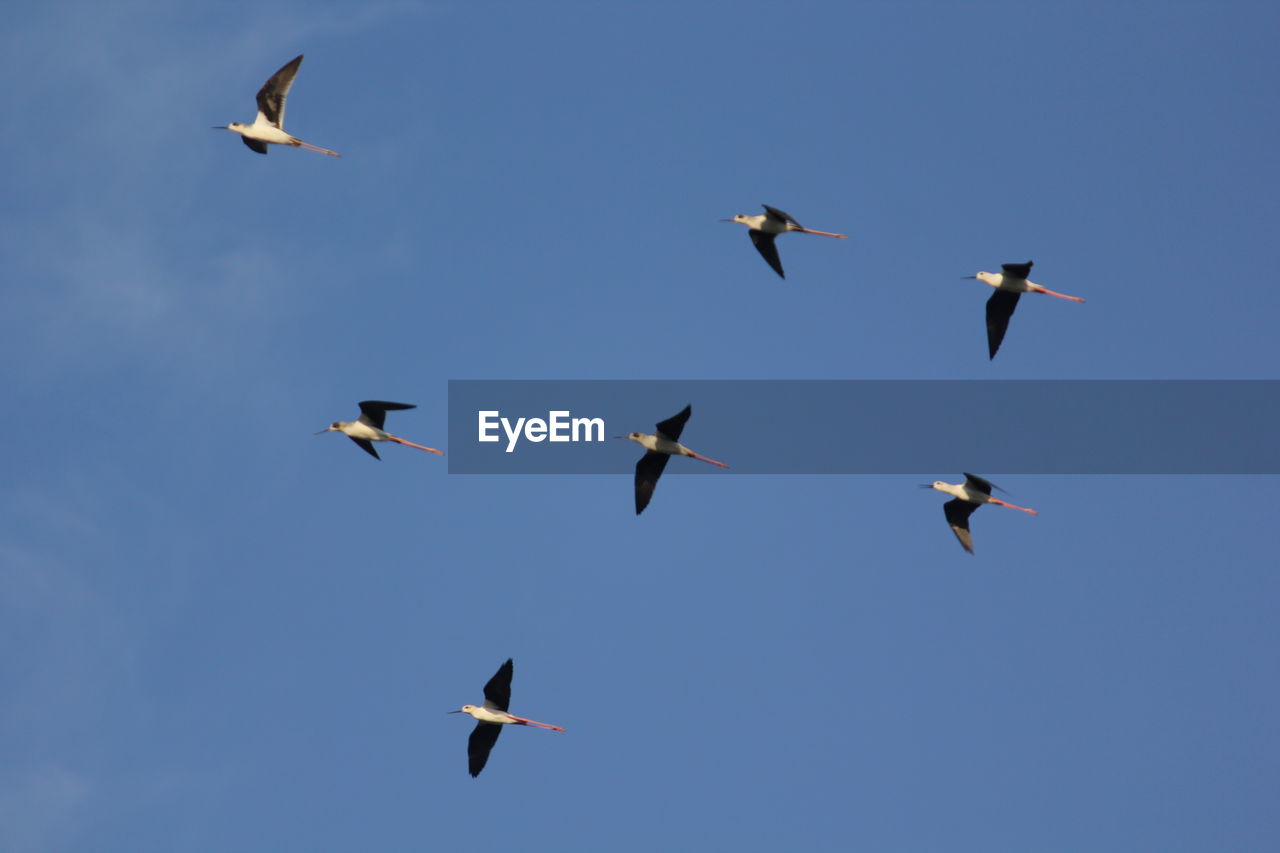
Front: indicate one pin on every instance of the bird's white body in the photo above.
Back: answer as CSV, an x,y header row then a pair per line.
x,y
765,223
264,131
1000,281
490,715
660,444
1014,284
1017,284
356,429
958,490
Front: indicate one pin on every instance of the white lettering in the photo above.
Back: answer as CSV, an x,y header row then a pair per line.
x,y
513,435
486,425
558,426
587,424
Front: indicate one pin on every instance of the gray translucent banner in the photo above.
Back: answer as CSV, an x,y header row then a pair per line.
x,y
873,426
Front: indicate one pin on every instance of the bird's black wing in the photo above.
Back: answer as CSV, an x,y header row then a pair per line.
x,y
497,693
768,250
648,470
778,214
482,739
979,484
272,95
374,412
999,309
367,447
958,512
1018,270
255,144
674,425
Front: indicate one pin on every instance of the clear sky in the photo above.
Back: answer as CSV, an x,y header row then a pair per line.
x,y
221,632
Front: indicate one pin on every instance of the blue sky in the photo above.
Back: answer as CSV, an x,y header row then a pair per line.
x,y
223,632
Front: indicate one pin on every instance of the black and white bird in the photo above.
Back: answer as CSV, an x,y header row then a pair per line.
x,y
1009,284
492,716
268,127
660,448
765,227
368,427
969,495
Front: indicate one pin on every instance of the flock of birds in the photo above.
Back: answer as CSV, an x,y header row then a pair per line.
x,y
763,229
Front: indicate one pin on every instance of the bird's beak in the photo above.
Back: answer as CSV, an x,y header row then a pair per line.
x,y
727,220
968,276
220,127
926,485
459,711
323,431
622,436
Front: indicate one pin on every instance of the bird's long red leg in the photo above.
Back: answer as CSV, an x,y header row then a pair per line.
x,y
537,725
1047,292
400,440
999,502
317,148
823,233
702,458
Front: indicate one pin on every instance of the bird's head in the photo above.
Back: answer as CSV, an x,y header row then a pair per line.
x,y
741,219
991,278
631,436
465,709
336,426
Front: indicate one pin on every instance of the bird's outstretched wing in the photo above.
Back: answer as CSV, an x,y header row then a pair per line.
x,y
482,739
367,447
958,512
768,250
255,144
1018,270
374,412
648,470
778,214
999,309
974,482
497,693
272,95
674,425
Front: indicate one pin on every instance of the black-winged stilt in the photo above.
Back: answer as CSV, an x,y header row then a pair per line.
x,y
765,228
1009,285
969,495
660,447
268,127
492,716
368,427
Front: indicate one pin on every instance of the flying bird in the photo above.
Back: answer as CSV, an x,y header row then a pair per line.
x,y
368,427
660,447
268,127
969,495
492,716
1009,285
765,227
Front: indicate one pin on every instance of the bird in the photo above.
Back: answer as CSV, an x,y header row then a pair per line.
x,y
1009,285
765,227
660,447
368,427
492,716
969,495
268,127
